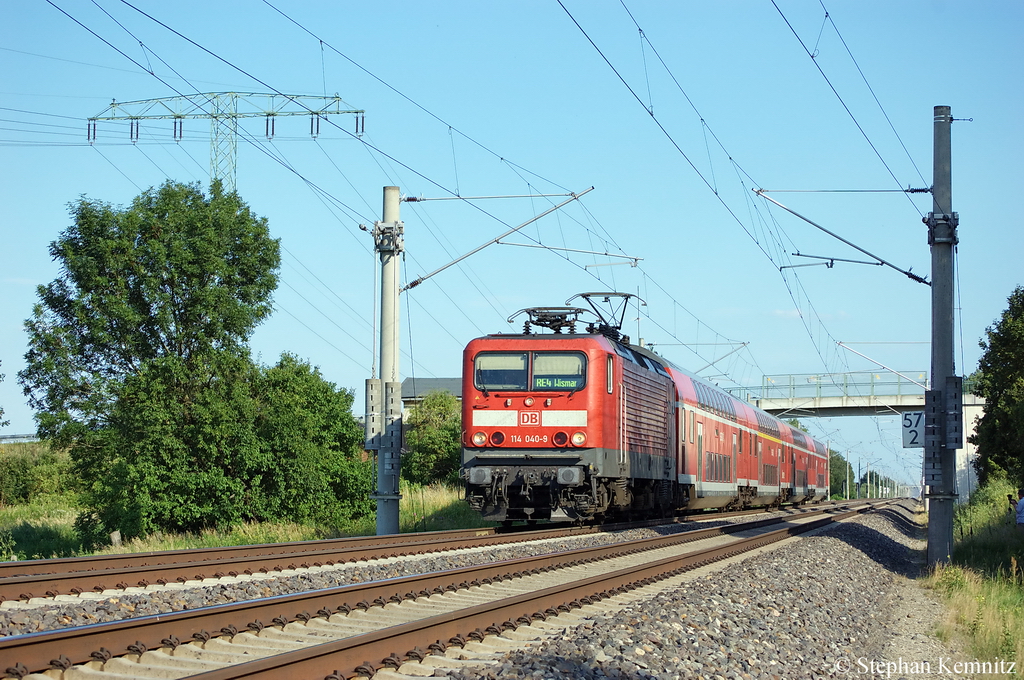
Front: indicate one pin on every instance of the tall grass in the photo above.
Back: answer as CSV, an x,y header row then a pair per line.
x,y
437,507
43,528
40,529
984,529
243,534
984,583
38,502
986,610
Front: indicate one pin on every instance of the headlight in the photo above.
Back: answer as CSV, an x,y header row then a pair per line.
x,y
560,439
497,438
479,439
579,438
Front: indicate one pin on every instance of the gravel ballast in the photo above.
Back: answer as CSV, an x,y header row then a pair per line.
x,y
820,607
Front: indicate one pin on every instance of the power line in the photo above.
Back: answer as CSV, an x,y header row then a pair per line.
x,y
118,169
679,149
307,327
449,126
828,16
796,293
365,142
841,101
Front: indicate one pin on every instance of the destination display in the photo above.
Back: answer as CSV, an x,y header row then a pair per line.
x,y
548,382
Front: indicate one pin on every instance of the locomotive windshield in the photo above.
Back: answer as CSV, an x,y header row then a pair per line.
x,y
500,371
538,371
558,371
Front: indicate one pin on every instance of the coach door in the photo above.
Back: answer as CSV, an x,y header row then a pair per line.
x,y
760,466
700,457
792,467
680,440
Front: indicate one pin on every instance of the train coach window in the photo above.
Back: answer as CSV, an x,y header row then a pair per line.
x,y
501,371
610,377
559,371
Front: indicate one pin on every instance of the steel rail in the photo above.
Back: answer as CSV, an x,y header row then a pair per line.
x,y
97,563
37,652
23,580
122,574
347,658
142,559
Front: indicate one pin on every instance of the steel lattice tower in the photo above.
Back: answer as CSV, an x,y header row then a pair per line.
x,y
223,109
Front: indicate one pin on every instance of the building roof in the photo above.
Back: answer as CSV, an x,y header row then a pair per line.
x,y
415,388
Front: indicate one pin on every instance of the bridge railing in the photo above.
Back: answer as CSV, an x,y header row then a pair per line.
x,y
818,385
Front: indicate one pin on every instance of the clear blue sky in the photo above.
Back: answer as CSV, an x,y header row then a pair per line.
x,y
499,98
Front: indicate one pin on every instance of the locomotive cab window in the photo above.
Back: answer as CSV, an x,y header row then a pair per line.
x,y
522,371
501,371
559,371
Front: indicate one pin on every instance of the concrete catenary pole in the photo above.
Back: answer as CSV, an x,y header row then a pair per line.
x,y
944,400
389,242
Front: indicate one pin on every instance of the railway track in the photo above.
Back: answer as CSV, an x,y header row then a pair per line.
x,y
37,580
386,622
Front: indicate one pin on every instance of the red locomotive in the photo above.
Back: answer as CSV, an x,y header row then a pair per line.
x,y
584,425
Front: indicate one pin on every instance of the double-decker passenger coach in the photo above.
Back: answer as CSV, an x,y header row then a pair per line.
x,y
581,425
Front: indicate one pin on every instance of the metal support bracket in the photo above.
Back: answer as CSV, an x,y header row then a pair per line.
x,y
942,228
388,236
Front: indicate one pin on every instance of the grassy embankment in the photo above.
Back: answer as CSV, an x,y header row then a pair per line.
x,y
38,505
984,583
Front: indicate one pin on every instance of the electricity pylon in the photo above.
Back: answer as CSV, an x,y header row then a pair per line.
x,y
224,109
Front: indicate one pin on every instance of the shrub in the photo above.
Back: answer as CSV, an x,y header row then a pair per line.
x,y
28,470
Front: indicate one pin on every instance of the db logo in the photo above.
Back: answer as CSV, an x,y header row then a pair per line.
x,y
529,418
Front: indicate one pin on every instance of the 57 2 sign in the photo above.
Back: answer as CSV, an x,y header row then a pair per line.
x,y
913,430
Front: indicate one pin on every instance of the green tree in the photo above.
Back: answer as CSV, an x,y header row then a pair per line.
x,y
173,451
434,441
310,465
795,422
176,275
999,435
839,471
137,359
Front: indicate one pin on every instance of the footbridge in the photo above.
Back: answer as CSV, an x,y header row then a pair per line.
x,y
860,393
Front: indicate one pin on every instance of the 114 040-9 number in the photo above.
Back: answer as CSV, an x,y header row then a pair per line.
x,y
528,439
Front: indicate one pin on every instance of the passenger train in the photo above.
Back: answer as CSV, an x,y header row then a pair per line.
x,y
585,426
